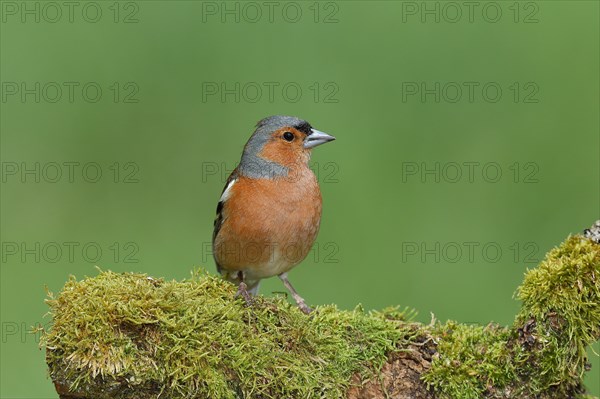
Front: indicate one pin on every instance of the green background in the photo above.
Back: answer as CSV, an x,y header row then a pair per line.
x,y
166,135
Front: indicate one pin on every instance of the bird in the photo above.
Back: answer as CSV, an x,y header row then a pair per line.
x,y
269,212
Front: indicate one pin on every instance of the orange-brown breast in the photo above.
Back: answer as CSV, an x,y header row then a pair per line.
x,y
269,225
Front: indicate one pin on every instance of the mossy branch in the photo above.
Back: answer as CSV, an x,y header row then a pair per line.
x,y
132,336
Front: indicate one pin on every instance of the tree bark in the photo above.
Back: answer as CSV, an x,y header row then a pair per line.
x,y
400,377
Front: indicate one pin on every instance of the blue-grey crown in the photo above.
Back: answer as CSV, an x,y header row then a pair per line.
x,y
275,122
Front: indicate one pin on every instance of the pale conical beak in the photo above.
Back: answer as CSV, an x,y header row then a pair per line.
x,y
316,138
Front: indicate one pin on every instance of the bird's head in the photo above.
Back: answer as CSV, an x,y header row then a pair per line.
x,y
281,141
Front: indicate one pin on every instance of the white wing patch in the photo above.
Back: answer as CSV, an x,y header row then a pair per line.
x,y
227,191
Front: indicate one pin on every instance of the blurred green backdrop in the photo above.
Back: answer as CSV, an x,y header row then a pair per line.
x,y
468,146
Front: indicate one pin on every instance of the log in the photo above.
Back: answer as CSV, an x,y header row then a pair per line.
x,y
133,336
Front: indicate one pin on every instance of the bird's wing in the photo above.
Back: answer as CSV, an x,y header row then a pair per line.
x,y
224,196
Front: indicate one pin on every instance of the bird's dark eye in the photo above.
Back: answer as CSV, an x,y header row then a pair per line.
x,y
288,136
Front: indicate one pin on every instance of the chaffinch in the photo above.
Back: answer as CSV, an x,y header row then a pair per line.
x,y
269,212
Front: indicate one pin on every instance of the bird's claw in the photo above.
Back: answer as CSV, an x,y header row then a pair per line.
x,y
304,308
243,292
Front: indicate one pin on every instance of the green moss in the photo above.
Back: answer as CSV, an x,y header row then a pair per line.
x,y
471,361
128,335
560,315
194,339
543,355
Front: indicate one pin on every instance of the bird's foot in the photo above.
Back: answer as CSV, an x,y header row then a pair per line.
x,y
243,292
304,307
299,300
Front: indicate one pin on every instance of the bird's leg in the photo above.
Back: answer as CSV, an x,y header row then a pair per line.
x,y
243,289
299,301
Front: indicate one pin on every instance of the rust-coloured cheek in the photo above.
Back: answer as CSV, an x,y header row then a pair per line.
x,y
284,153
